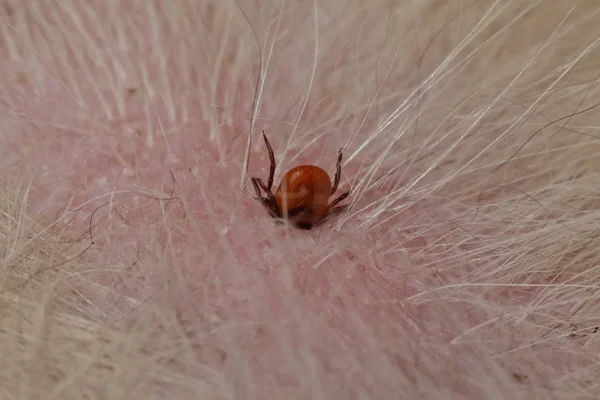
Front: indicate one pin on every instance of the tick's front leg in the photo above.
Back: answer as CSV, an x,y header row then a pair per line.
x,y
268,202
336,201
256,189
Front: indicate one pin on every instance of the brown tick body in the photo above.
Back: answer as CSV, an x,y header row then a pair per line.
x,y
303,194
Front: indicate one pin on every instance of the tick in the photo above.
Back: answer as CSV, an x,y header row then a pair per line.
x,y
303,194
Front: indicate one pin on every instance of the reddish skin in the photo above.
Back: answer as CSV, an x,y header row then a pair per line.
x,y
303,194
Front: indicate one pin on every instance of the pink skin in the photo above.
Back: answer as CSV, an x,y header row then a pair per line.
x,y
136,190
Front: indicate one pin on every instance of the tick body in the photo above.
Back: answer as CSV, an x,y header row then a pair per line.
x,y
303,194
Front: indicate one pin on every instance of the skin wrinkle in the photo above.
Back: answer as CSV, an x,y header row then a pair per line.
x,y
133,266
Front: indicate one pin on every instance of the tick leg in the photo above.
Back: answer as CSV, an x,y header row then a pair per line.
x,y
332,210
267,191
272,160
256,189
336,201
270,198
271,207
338,173
269,201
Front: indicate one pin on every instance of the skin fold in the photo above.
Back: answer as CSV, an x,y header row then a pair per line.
x,y
137,264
